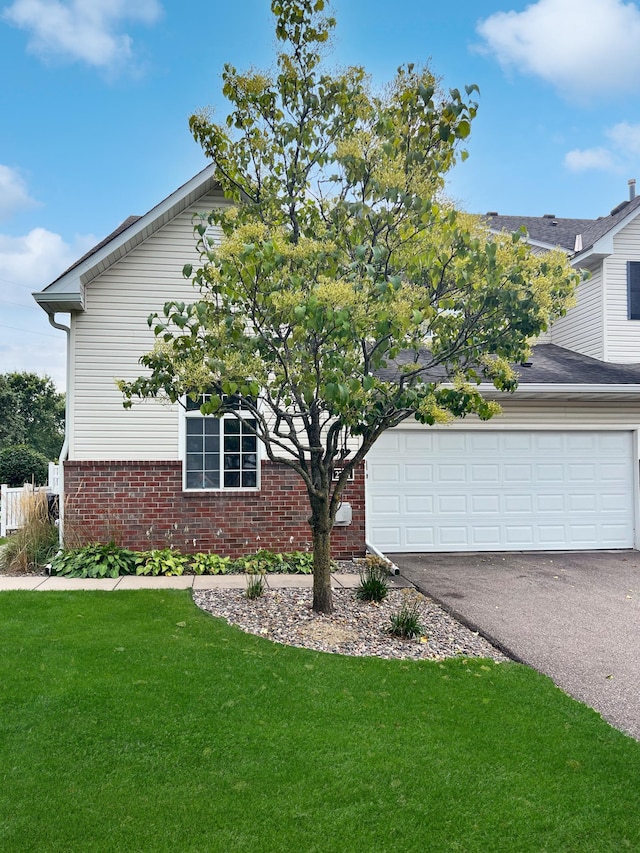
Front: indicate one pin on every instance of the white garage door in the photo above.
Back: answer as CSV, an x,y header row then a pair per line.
x,y
479,491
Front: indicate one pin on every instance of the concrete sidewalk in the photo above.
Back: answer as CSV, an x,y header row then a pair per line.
x,y
273,581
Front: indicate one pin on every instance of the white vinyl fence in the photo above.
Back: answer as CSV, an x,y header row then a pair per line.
x,y
11,500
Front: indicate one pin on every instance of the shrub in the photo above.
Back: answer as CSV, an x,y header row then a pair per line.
x,y
94,561
37,540
209,564
21,464
373,585
406,621
163,561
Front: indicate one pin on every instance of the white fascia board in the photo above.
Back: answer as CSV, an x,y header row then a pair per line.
x,y
603,247
64,302
111,252
570,389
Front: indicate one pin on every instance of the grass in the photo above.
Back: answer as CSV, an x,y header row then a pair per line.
x,y
132,721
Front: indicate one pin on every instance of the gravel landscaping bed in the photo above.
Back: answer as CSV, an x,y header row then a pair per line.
x,y
355,627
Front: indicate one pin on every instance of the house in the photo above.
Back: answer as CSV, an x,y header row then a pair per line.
x,y
557,470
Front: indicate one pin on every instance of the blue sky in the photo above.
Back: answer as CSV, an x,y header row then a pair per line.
x,y
95,97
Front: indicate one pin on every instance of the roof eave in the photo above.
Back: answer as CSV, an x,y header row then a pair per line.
x,y
66,287
67,302
564,390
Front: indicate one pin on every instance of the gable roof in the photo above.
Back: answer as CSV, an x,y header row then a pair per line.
x,y
66,293
552,231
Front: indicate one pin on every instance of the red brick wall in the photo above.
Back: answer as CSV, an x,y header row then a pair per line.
x,y
141,505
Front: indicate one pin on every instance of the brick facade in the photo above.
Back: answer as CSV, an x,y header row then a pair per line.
x,y
141,505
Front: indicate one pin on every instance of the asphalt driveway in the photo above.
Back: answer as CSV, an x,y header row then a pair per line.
x,y
574,616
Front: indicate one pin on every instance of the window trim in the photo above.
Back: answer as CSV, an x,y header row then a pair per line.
x,y
635,265
182,451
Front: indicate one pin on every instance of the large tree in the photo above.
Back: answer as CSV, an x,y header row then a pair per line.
x,y
32,413
345,294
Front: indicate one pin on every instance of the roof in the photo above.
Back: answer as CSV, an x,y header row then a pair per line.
x,y
66,293
130,220
555,231
553,369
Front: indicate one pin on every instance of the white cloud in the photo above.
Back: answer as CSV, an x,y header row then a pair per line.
x,y
31,344
589,159
13,193
28,263
619,156
584,48
625,137
32,261
84,30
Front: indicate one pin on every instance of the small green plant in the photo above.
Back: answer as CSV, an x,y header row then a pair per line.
x,y
300,562
37,540
161,561
293,562
373,585
209,564
255,585
94,561
406,621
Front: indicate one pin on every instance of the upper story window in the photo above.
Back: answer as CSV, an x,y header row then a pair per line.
x,y
633,290
219,452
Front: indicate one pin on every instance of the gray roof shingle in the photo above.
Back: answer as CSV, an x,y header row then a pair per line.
x,y
556,231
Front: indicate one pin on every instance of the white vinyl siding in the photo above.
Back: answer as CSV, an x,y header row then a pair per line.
x,y
623,335
111,335
581,330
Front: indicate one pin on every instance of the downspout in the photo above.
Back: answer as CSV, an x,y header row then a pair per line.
x,y
393,569
65,444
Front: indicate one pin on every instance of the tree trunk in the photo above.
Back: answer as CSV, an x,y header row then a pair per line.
x,y
321,527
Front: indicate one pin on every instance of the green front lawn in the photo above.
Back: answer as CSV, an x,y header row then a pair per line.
x,y
132,721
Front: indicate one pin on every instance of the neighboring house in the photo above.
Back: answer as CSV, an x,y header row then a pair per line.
x,y
557,470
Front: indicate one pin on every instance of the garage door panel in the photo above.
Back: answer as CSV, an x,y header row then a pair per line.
x,y
485,504
522,442
482,474
582,473
582,503
439,491
454,536
550,535
518,473
482,442
418,473
422,504
544,504
452,504
550,473
418,537
485,536
584,533
518,536
612,473
612,502
550,442
516,504
422,442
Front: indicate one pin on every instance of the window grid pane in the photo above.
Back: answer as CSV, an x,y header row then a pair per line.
x,y
207,462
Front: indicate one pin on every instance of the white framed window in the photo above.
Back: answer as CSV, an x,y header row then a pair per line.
x,y
219,452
